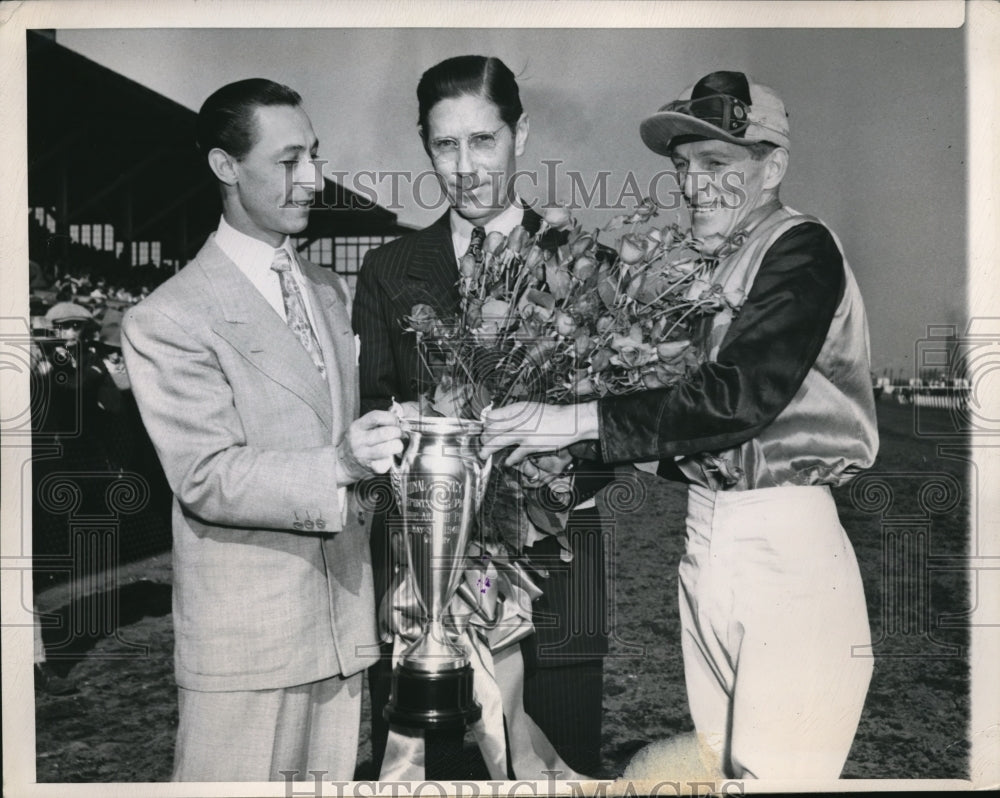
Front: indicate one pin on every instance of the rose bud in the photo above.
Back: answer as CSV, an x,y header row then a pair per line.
x,y
604,324
600,360
583,344
494,241
584,268
495,310
467,265
565,324
517,239
630,251
556,216
534,257
581,244
423,318
586,306
671,350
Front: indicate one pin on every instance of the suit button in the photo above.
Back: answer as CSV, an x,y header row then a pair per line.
x,y
309,524
297,525
320,523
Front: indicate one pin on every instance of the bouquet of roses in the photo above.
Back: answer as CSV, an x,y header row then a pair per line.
x,y
560,317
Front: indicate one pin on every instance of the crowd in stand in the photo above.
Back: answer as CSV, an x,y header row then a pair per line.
x,y
85,423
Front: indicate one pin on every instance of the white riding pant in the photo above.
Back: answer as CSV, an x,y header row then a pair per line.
x,y
774,628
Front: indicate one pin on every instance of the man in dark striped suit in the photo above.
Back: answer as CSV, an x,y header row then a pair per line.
x,y
473,128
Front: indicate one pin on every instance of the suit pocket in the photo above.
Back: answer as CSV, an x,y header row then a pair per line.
x,y
234,611
233,652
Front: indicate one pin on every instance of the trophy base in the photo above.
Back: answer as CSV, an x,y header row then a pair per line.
x,y
426,700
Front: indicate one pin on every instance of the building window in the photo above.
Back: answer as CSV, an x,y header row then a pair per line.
x,y
96,237
74,233
85,235
350,251
109,237
155,252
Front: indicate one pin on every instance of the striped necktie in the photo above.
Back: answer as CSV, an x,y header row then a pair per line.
x,y
295,309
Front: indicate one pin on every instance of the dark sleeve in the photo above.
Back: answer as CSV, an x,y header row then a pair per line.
x,y
765,356
376,364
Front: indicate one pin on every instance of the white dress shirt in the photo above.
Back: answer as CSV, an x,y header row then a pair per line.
x,y
461,228
254,257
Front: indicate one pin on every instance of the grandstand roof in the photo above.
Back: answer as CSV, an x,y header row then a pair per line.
x,y
103,149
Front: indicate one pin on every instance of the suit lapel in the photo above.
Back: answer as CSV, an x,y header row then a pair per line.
x,y
433,260
252,327
336,338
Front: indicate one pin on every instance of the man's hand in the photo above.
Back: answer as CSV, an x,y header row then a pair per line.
x,y
534,428
553,470
369,446
406,409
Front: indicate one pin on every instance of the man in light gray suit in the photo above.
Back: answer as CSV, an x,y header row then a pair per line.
x,y
244,368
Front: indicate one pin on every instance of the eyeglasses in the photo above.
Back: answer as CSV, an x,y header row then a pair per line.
x,y
479,143
69,325
722,110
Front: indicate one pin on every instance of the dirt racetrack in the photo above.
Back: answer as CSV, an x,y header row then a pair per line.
x,y
119,726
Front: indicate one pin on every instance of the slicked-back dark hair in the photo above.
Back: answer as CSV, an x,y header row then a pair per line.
x,y
475,75
226,117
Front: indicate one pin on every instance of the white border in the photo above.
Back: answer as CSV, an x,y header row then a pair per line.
x,y
982,18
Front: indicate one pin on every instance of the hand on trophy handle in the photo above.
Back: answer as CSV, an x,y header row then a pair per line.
x,y
368,446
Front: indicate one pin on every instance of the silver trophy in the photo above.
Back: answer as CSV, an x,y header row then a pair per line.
x,y
439,485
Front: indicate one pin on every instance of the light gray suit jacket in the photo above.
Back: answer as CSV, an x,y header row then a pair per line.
x,y
271,588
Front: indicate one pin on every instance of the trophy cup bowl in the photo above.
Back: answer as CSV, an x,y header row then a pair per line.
x,y
438,486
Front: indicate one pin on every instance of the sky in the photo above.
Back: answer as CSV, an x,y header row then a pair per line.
x,y
878,125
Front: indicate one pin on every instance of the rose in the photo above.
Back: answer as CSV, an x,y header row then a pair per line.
x,y
646,211
423,318
565,324
662,375
494,241
517,240
534,258
495,311
493,314
556,216
586,307
584,268
671,350
580,243
600,360
631,251
467,265
630,356
605,324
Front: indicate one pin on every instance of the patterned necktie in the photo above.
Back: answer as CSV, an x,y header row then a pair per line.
x,y
295,309
476,246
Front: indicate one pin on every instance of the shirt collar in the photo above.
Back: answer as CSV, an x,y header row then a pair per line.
x,y
249,253
461,228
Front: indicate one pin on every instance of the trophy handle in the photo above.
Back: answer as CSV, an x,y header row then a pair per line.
x,y
482,480
395,474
